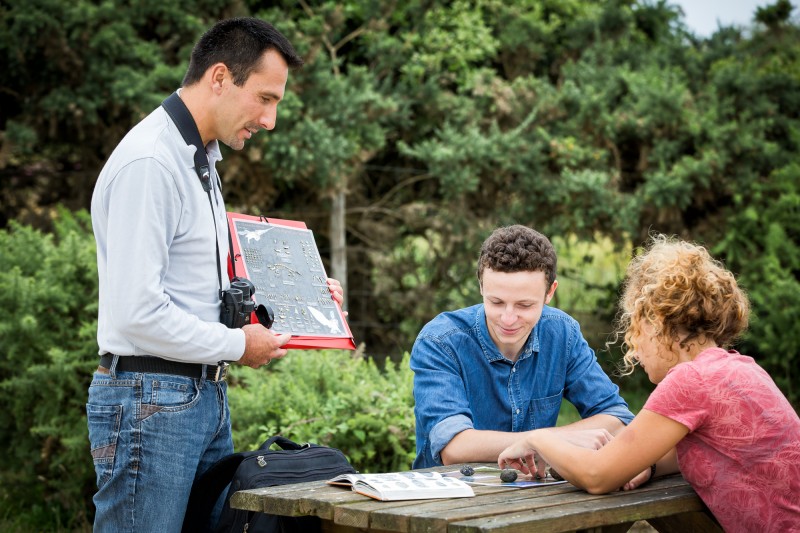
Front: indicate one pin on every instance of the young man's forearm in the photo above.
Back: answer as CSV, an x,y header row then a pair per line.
x,y
477,446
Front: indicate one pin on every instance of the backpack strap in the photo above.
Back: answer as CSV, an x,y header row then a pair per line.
x,y
284,443
206,491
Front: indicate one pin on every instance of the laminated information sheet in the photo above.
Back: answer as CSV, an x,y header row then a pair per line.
x,y
281,259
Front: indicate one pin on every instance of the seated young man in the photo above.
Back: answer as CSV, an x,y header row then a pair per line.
x,y
486,373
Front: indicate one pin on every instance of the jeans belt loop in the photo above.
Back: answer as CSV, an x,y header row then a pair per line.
x,y
221,371
112,368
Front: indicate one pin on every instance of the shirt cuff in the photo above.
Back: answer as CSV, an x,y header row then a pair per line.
x,y
443,432
237,345
623,414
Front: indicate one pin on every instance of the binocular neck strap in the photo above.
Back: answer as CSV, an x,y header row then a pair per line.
x,y
186,125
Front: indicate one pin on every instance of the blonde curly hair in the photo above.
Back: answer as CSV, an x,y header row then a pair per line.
x,y
684,294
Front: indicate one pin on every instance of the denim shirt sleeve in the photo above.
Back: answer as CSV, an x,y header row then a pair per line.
x,y
587,386
441,403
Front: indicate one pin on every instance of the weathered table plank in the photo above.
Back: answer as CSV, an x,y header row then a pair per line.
x,y
436,517
614,508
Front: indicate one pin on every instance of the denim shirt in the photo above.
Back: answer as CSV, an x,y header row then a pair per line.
x,y
462,381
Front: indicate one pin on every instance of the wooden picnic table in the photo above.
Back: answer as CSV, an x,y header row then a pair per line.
x,y
669,504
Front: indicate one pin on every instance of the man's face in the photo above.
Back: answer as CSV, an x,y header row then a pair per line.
x,y
514,304
245,110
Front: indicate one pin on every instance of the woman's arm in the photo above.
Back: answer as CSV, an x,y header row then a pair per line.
x,y
649,438
666,465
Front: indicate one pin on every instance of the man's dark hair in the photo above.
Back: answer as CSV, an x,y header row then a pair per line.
x,y
240,44
518,248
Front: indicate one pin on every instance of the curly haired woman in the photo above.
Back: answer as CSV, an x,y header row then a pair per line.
x,y
715,415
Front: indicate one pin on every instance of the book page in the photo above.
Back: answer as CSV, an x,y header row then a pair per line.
x,y
405,485
284,265
393,477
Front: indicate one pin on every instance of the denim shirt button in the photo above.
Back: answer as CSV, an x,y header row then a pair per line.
x,y
517,411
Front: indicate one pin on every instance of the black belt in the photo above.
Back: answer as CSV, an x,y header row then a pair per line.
x,y
157,365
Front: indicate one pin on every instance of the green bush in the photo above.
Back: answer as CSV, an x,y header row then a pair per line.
x,y
334,398
48,310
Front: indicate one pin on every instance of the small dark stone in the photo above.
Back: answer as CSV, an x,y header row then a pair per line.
x,y
508,475
555,474
467,470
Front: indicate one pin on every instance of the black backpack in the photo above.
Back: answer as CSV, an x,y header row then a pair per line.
x,y
295,463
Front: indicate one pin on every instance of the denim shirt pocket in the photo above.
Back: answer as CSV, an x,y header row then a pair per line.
x,y
543,412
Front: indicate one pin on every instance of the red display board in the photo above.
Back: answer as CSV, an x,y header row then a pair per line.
x,y
281,259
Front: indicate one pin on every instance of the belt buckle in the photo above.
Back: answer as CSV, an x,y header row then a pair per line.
x,y
221,371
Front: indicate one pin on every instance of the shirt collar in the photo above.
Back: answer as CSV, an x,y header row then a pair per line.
x,y
213,151
490,350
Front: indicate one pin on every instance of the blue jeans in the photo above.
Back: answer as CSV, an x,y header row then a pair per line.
x,y
151,435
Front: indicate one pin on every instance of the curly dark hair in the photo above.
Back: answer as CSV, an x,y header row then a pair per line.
x,y
518,248
240,44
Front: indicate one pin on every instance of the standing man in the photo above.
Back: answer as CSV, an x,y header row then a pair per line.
x,y
485,373
157,411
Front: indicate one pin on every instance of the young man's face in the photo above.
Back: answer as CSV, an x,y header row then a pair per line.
x,y
254,106
514,303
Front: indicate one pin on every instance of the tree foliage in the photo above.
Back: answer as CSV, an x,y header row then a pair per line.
x,y
416,127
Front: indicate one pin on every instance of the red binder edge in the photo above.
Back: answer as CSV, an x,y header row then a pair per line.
x,y
236,267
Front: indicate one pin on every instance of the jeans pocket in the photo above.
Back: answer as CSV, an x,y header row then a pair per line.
x,y
171,394
104,423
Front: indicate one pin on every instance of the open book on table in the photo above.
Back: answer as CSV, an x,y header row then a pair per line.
x,y
404,485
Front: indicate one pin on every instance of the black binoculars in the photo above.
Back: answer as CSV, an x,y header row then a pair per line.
x,y
238,305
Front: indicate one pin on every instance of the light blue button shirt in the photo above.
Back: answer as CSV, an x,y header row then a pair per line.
x,y
462,381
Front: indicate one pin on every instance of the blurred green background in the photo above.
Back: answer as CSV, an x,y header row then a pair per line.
x,y
413,130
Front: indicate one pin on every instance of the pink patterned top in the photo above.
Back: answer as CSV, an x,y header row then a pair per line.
x,y
742,452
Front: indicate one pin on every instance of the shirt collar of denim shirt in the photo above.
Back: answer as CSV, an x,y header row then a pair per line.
x,y
490,349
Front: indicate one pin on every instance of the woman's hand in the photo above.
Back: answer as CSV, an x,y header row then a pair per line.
x,y
522,456
594,439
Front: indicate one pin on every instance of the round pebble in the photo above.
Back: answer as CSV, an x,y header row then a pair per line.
x,y
467,470
508,475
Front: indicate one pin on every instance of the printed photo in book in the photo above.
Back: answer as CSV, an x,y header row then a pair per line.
x,y
281,259
404,486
